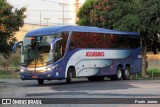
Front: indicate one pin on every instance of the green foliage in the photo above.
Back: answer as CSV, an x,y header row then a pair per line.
x,y
3,62
11,63
11,20
83,13
14,60
150,20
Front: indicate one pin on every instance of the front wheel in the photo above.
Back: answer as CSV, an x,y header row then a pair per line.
x,y
69,77
41,82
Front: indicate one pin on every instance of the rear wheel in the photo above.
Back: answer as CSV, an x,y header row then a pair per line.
x,y
126,73
41,82
69,76
118,75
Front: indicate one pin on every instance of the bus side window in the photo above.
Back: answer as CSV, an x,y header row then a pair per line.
x,y
58,51
75,39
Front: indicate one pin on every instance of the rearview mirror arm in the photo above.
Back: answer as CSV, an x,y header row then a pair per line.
x,y
15,46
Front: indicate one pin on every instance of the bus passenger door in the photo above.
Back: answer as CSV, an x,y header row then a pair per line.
x,y
58,54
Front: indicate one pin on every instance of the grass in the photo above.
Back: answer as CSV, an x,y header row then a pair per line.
x,y
136,76
151,73
9,75
154,71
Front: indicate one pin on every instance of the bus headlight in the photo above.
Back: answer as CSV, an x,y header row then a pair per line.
x,y
21,70
48,69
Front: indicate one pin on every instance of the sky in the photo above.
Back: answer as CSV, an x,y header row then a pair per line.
x,y
51,11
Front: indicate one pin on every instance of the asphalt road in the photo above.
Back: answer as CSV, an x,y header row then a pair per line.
x,y
80,88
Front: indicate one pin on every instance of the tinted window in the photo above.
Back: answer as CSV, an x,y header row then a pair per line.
x,y
101,40
124,41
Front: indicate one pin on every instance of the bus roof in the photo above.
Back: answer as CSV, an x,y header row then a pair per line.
x,y
55,29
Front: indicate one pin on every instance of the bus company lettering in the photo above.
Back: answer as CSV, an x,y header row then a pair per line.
x,y
94,54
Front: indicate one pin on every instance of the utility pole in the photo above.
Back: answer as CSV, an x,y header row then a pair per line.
x,y
63,5
40,18
77,6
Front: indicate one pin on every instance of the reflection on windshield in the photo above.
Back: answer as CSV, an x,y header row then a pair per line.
x,y
36,50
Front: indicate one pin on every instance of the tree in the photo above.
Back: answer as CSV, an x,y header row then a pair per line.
x,y
11,20
142,16
84,13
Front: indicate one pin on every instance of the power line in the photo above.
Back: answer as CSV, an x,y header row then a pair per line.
x,y
61,4
51,10
40,12
57,2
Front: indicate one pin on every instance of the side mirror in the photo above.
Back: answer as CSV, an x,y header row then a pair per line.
x,y
15,46
53,42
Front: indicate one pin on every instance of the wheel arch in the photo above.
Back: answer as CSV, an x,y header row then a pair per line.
x,y
128,66
73,70
126,72
120,66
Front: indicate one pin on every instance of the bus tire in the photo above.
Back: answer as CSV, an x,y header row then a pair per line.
x,y
118,74
40,81
69,76
126,73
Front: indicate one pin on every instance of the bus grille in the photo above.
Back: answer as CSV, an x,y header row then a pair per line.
x,y
35,72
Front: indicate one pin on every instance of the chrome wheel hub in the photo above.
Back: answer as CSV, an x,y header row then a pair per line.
x,y
119,73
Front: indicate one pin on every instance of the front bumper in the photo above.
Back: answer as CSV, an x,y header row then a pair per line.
x,y
34,76
47,75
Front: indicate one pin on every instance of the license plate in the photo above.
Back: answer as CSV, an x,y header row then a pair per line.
x,y
34,76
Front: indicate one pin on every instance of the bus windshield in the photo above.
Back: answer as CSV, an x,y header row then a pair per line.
x,y
36,50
